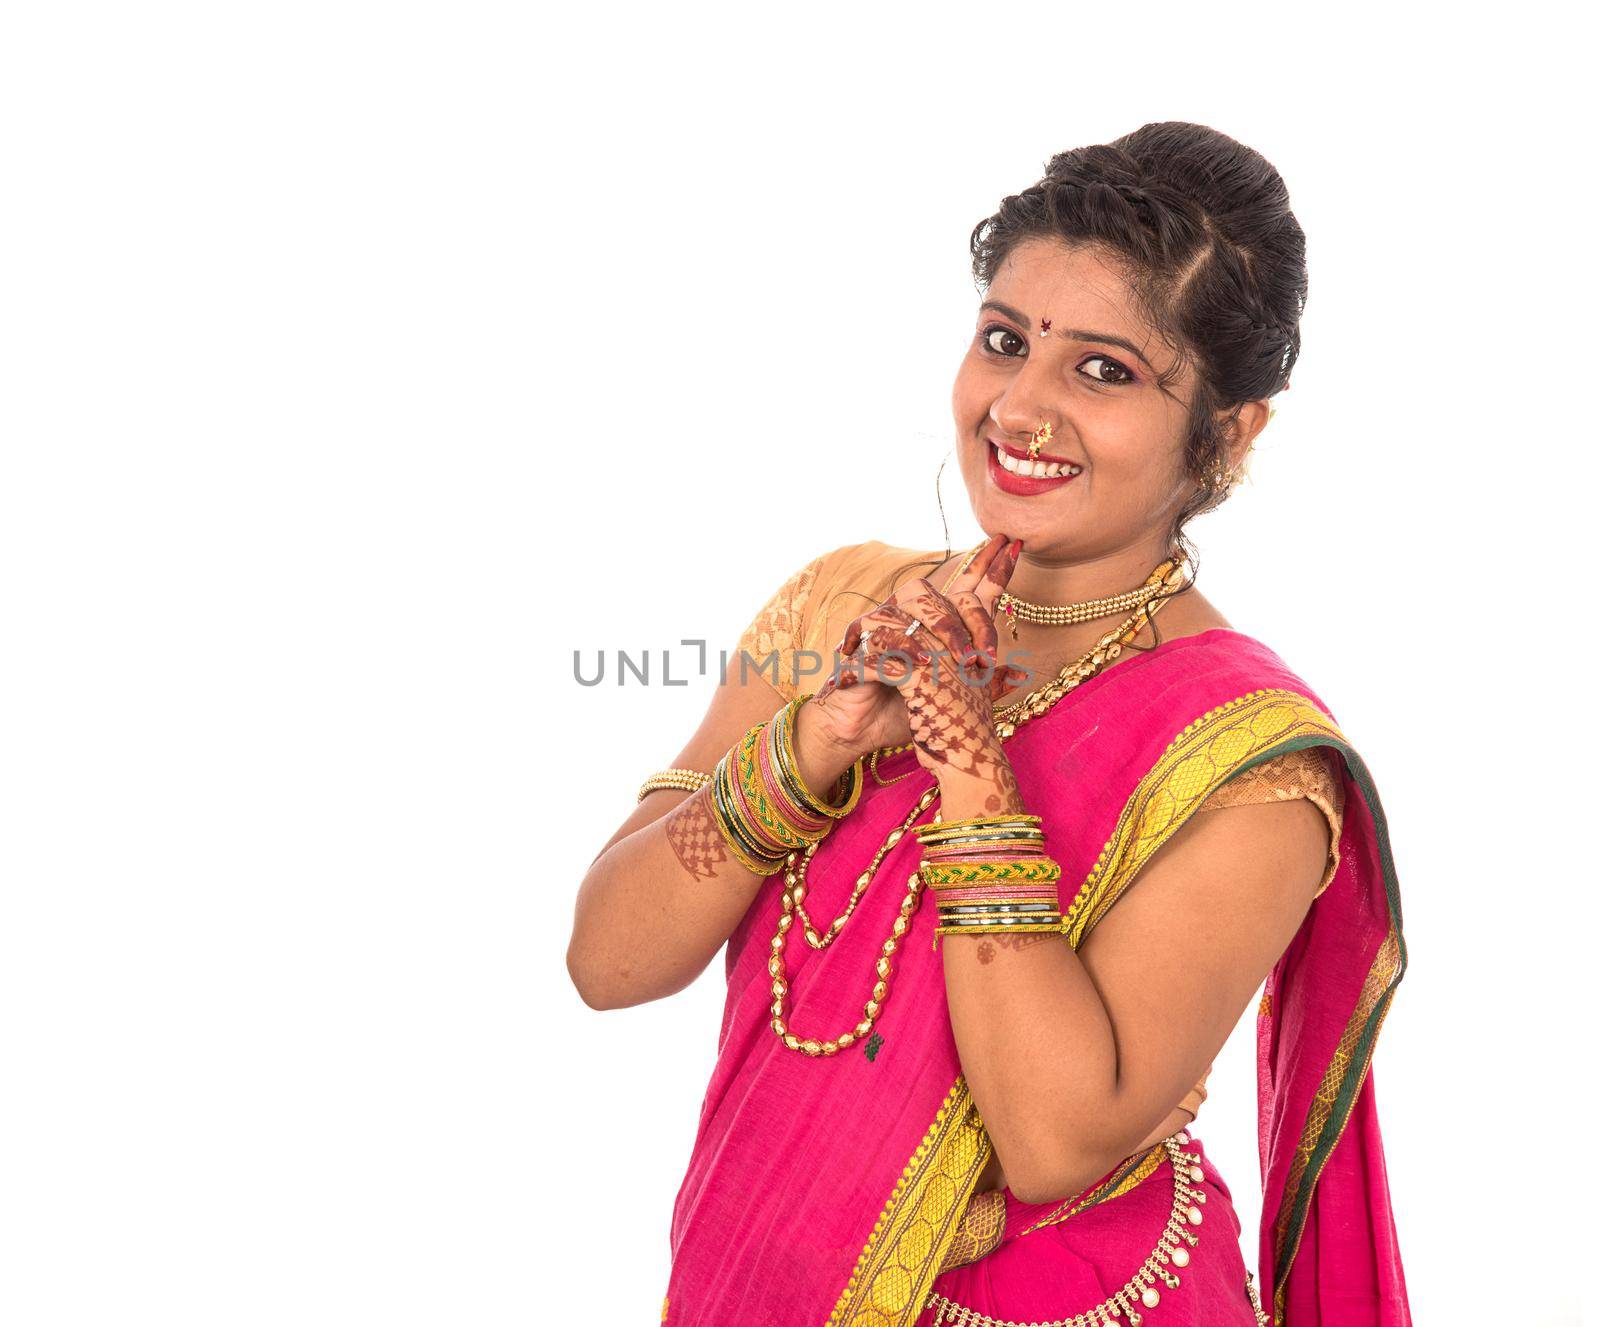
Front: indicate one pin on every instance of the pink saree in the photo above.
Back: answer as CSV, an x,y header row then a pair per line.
x,y
841,1190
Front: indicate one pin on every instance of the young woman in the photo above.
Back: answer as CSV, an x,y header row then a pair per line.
x,y
986,931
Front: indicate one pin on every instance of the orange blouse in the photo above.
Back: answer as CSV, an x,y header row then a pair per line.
x,y
810,611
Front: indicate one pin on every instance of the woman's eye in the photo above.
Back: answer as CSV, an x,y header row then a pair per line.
x,y
1102,369
996,337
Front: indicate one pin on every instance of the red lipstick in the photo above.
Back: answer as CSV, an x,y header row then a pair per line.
x,y
1008,481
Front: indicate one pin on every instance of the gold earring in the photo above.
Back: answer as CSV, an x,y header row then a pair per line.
x,y
1041,435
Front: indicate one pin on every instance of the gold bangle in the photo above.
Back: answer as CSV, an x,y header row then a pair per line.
x,y
679,780
978,822
789,769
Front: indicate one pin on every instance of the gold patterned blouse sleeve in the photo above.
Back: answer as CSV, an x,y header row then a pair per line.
x,y
775,633
1312,773
791,641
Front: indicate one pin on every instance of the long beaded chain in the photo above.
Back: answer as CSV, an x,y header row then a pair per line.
x,y
1139,1292
1010,717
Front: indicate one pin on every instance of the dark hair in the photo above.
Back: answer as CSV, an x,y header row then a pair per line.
x,y
1200,226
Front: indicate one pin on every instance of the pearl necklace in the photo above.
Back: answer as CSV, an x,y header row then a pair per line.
x,y
1171,1250
1107,648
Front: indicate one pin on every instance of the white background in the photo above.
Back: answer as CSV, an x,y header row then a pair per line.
x,y
361,362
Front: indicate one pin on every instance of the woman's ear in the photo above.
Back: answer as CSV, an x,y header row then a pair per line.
x,y
1240,427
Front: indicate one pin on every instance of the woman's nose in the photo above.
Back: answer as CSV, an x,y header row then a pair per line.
x,y
1023,407
1016,420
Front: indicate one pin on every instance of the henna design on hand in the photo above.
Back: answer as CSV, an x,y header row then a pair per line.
x,y
951,718
1006,799
952,724
985,952
696,841
947,672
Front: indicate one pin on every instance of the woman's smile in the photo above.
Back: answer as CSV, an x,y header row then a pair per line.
x,y
1011,471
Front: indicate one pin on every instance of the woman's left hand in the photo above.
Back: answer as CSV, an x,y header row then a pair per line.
x,y
940,652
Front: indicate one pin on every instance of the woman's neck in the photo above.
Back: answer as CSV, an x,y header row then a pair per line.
x,y
1043,579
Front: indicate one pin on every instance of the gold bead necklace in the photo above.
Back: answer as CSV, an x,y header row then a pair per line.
x,y
1168,579
1067,615
1010,717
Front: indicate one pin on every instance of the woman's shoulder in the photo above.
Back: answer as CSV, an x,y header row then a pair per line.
x,y
874,562
854,578
809,611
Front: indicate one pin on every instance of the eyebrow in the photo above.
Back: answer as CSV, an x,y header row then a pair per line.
x,y
1076,333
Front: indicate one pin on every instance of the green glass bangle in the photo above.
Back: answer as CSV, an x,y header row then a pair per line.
x,y
750,854
753,786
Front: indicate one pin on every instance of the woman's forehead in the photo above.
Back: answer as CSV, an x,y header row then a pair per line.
x,y
1076,287
1048,279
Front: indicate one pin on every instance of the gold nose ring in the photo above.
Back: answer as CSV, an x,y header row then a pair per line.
x,y
1041,436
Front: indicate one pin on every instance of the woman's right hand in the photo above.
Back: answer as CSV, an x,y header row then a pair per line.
x,y
840,725
856,714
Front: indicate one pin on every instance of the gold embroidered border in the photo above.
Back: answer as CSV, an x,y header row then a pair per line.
x,y
1333,1102
1200,759
1347,1071
908,1244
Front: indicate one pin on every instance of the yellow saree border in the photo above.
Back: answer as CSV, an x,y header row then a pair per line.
x,y
1332,1104
1347,1069
907,1247
1219,744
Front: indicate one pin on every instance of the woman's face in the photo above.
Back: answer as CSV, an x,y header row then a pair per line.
x,y
1115,456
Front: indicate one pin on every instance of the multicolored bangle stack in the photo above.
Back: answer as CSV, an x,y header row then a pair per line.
x,y
990,874
763,808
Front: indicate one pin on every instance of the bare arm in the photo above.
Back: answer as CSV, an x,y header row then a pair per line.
x,y
665,893
1074,1058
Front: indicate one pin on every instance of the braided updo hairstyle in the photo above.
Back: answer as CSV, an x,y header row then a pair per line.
x,y
1200,227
